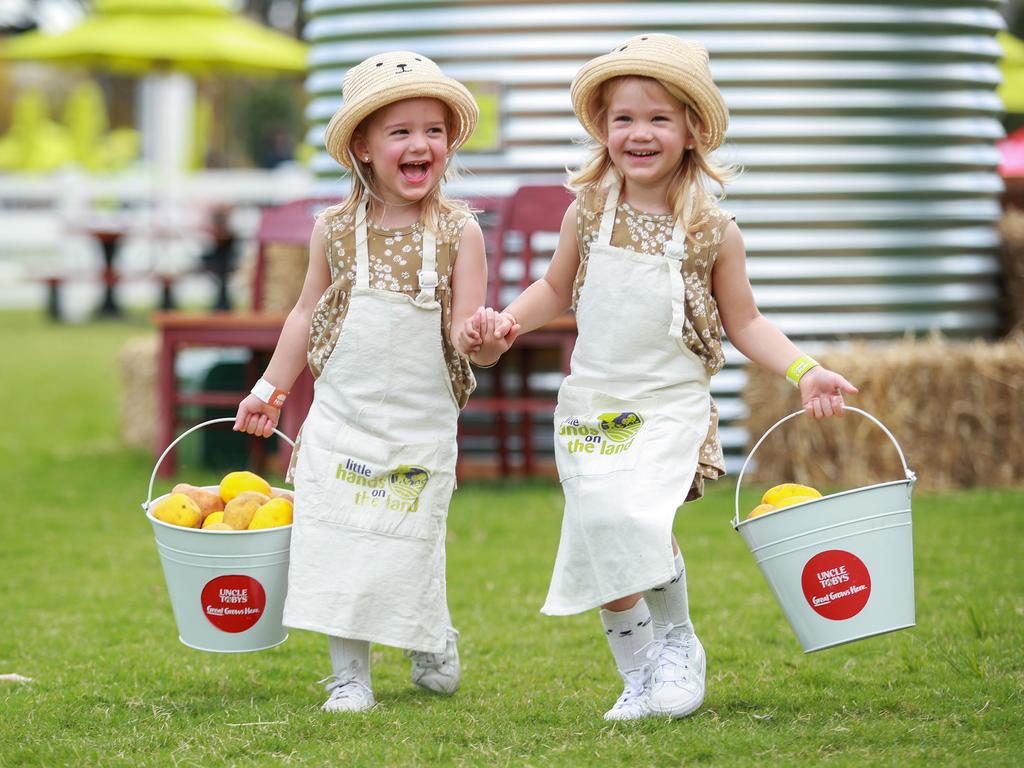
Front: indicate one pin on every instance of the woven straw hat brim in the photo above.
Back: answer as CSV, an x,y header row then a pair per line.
x,y
453,93
687,74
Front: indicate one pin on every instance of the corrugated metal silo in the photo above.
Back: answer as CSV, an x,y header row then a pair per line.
x,y
866,131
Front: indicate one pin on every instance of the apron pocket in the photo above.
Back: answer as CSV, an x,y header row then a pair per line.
x,y
596,433
393,489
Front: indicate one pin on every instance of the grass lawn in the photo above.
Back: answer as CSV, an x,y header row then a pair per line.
x,y
86,616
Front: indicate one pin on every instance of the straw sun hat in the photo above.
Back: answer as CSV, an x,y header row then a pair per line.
x,y
389,77
679,66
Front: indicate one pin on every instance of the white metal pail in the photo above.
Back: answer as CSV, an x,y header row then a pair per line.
x,y
842,566
227,588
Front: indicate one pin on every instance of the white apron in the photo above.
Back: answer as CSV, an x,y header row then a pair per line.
x,y
630,421
376,470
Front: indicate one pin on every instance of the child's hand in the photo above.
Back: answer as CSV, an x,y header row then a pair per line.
x,y
498,331
504,324
469,337
821,392
256,417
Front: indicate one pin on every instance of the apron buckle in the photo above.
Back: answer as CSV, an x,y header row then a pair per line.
x,y
674,250
428,279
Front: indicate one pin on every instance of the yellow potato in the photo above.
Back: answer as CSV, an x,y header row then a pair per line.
x,y
178,509
213,518
274,513
218,527
207,501
780,492
239,511
276,494
235,483
760,509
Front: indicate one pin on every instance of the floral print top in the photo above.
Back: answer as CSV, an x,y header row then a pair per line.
x,y
395,256
702,331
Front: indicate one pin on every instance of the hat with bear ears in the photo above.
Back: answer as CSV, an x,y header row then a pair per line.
x,y
681,67
393,76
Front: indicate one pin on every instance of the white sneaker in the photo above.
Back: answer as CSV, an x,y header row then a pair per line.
x,y
678,675
438,672
347,694
632,704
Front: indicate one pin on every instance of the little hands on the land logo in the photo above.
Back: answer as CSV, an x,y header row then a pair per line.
x,y
398,489
613,433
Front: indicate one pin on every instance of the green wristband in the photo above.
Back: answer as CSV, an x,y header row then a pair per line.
x,y
800,366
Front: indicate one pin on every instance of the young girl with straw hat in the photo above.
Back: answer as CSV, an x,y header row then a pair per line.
x,y
653,267
374,468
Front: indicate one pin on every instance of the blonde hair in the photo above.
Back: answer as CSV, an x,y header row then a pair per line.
x,y
690,189
435,203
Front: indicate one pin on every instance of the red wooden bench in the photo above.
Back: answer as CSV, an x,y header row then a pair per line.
x,y
257,331
531,211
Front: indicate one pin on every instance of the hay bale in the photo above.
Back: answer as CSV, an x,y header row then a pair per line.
x,y
137,362
285,271
956,408
1011,231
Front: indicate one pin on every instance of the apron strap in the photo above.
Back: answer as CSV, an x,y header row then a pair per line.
x,y
428,274
604,235
675,253
362,249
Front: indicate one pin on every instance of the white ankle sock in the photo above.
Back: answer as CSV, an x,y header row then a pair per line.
x,y
350,656
668,603
627,632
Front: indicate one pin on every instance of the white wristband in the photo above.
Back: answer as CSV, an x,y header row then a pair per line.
x,y
269,394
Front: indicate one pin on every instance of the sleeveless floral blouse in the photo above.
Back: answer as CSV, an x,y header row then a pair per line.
x,y
702,331
395,256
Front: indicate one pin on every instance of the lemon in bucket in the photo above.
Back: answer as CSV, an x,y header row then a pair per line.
x,y
778,493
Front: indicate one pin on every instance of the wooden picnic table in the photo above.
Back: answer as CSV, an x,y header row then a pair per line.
x,y
255,331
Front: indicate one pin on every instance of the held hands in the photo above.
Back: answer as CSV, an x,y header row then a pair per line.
x,y
821,392
256,417
487,335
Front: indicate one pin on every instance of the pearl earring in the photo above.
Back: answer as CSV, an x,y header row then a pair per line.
x,y
366,158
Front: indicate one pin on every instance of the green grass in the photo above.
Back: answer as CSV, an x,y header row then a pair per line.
x,y
86,615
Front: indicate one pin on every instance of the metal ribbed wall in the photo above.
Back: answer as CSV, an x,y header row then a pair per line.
x,y
866,132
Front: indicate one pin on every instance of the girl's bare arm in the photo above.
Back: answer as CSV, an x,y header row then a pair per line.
x,y
469,284
551,295
759,339
289,358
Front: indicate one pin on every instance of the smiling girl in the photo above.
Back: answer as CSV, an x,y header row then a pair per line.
x,y
390,270
654,269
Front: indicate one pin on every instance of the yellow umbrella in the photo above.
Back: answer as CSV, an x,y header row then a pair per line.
x,y
138,36
167,40
1012,68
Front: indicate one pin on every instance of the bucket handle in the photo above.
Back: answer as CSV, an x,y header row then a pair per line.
x,y
186,433
909,473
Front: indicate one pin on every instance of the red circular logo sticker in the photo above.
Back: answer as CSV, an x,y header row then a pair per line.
x,y
837,584
233,603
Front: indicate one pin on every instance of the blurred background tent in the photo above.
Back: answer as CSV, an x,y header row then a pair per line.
x,y
1011,67
1011,91
34,143
169,43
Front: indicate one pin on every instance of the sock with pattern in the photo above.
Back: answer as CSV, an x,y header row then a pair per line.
x,y
627,632
668,603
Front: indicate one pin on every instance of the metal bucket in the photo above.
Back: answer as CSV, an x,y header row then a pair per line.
x,y
227,588
842,566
